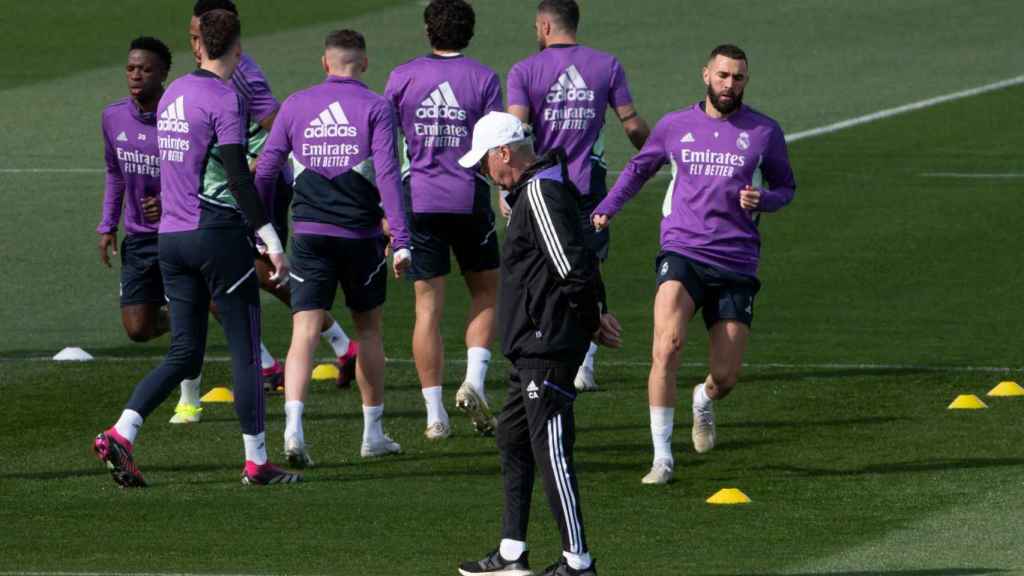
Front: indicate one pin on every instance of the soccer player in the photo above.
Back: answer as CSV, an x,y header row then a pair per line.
x,y
205,247
341,138
563,92
133,181
729,165
439,97
251,84
550,311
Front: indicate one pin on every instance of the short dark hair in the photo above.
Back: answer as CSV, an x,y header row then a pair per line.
x,y
729,51
219,30
345,40
449,24
154,45
565,12
204,6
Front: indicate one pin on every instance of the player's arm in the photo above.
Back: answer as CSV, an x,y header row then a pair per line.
x,y
492,94
620,99
383,145
637,172
271,160
519,93
780,184
633,124
555,220
113,197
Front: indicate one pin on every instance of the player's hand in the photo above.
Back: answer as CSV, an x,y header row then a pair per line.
x,y
401,261
750,198
387,236
108,242
600,221
610,332
151,208
506,210
281,268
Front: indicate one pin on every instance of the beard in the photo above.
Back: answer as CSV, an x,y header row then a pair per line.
x,y
725,107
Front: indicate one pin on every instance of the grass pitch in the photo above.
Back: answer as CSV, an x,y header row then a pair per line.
x,y
884,283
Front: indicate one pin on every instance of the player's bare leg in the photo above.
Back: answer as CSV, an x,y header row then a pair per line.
x,y
673,309
428,352
144,322
305,337
728,342
370,378
471,397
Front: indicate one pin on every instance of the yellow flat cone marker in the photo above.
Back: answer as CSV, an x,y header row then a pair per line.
x,y
1007,388
729,496
219,394
967,402
325,372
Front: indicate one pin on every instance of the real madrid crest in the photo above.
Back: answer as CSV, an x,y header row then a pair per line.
x,y
743,141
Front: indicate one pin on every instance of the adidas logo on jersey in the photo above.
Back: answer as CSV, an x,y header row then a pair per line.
x,y
570,87
441,104
172,119
122,137
331,123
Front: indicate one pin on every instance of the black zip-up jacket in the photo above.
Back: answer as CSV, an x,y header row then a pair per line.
x,y
551,289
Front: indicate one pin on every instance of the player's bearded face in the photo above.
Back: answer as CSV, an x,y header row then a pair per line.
x,y
726,100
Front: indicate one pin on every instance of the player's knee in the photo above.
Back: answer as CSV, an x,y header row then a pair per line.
x,y
137,330
666,347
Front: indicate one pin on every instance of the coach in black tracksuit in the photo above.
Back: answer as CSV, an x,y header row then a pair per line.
x,y
550,309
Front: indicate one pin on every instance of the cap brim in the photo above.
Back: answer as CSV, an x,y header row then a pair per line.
x,y
472,158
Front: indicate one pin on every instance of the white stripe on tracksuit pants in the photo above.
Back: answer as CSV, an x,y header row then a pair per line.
x,y
537,428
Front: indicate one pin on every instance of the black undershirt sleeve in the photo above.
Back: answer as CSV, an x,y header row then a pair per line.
x,y
241,185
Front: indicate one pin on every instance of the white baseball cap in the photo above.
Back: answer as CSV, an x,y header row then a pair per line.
x,y
493,130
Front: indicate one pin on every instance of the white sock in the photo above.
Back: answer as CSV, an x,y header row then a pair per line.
x,y
266,360
128,425
700,397
511,549
190,391
293,419
255,448
476,367
373,427
336,337
435,405
578,561
661,432
591,352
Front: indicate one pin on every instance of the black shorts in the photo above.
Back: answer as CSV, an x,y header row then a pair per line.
x,y
321,263
722,294
141,281
211,261
598,242
435,235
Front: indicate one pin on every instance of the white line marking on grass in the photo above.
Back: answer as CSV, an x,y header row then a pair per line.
x,y
968,175
852,366
827,129
890,112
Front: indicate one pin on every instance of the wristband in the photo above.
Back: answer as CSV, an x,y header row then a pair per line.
x,y
270,238
402,254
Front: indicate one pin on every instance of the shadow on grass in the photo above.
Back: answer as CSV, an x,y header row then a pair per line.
x,y
898,467
924,572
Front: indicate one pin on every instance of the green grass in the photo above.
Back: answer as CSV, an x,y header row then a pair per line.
x,y
852,471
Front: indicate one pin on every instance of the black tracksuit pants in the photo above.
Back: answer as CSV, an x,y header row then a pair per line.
x,y
536,428
198,266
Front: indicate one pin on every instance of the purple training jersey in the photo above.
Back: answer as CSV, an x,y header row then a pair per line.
x,y
251,84
197,113
438,100
712,159
341,137
567,88
133,166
